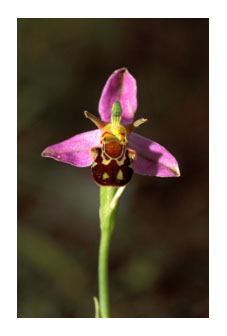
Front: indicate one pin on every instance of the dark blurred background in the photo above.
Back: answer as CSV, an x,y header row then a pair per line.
x,y
159,249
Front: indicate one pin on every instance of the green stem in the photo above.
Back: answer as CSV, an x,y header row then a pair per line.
x,y
108,210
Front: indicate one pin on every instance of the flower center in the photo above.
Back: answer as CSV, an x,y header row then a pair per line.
x,y
115,131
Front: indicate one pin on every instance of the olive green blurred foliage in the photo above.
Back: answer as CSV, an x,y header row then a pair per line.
x,y
159,250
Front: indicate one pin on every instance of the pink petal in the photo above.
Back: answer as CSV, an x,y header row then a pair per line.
x,y
75,150
152,158
120,86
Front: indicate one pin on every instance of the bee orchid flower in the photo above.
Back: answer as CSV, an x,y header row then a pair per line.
x,y
113,150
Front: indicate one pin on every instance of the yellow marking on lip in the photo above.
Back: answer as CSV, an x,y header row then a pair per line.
x,y
94,164
120,175
59,156
105,176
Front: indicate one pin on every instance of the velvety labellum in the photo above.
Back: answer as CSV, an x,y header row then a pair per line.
x,y
112,164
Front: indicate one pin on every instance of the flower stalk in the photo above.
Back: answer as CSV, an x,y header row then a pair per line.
x,y
109,201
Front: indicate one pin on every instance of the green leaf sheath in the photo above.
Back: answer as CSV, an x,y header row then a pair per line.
x,y
107,220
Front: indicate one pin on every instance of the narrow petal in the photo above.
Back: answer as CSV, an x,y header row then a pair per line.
x,y
120,86
75,150
152,158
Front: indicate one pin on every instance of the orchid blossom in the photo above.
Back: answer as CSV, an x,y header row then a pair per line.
x,y
151,159
114,151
